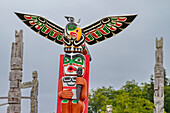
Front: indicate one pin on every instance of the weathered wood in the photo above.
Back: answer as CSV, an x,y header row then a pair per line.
x,y
26,85
3,97
26,97
159,78
3,104
15,77
34,93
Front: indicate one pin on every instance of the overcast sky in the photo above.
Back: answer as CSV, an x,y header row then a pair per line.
x,y
128,55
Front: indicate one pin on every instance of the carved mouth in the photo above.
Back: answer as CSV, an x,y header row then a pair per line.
x,y
71,69
71,83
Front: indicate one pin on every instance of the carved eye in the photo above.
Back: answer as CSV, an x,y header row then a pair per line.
x,y
71,27
66,60
78,60
77,30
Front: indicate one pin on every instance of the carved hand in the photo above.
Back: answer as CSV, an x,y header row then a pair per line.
x,y
81,81
66,94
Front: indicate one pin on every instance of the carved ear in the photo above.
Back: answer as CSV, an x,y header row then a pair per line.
x,y
162,39
78,21
20,35
156,40
16,33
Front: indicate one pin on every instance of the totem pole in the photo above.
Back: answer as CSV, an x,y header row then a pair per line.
x,y
74,64
34,91
159,78
15,77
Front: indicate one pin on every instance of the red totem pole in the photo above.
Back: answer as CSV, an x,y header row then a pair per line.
x,y
74,64
71,99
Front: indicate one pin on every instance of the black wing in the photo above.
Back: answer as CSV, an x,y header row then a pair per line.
x,y
106,28
43,27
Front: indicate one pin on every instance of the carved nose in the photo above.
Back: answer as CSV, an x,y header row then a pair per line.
x,y
71,69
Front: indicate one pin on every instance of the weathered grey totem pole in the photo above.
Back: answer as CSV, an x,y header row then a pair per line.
x,y
159,78
15,77
34,91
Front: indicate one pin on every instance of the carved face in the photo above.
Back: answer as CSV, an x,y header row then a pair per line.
x,y
72,31
159,43
71,63
16,63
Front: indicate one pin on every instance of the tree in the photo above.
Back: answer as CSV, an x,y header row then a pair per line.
x,y
132,88
165,79
167,98
126,100
98,99
131,98
148,89
126,103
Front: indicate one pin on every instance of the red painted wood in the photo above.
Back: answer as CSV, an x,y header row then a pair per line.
x,y
86,77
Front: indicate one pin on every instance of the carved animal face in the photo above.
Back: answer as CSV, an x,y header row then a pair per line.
x,y
159,43
72,62
73,32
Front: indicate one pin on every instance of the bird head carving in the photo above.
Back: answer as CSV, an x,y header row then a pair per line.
x,y
72,29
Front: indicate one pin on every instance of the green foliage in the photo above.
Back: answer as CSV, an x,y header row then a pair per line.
x,y
125,103
148,89
167,98
131,98
98,99
166,82
126,100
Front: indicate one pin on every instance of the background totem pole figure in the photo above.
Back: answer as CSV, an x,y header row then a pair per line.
x,y
159,78
14,94
34,91
76,55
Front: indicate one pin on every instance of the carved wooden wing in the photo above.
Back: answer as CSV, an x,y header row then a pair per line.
x,y
43,27
106,28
